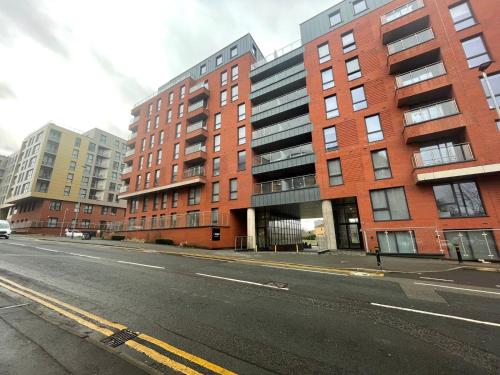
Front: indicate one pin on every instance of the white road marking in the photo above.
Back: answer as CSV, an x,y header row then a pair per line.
x,y
139,264
13,306
45,249
17,244
242,281
85,256
433,278
298,269
454,287
437,314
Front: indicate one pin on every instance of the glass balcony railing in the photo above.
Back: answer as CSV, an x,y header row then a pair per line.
x,y
195,148
420,75
440,155
278,77
134,119
130,152
410,41
124,189
197,105
281,126
127,170
286,184
198,86
401,11
195,126
431,112
287,153
132,136
197,171
277,53
284,99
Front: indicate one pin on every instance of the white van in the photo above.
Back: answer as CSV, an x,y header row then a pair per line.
x,y
5,229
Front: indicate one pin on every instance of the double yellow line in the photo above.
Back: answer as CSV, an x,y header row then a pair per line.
x,y
108,328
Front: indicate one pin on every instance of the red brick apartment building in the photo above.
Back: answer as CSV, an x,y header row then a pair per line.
x,y
380,121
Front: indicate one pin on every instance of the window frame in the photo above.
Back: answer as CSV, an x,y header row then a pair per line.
x,y
355,105
388,206
332,16
456,202
346,48
357,2
335,142
335,111
326,57
456,23
327,84
378,169
338,175
473,57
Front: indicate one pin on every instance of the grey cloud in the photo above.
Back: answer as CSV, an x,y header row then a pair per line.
x,y
6,92
29,17
129,88
8,141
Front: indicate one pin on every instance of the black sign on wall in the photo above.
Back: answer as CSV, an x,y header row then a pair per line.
x,y
215,234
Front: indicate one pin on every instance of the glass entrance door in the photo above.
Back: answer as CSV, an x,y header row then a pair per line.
x,y
347,227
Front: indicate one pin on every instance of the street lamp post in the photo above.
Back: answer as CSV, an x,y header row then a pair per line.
x,y
482,68
77,211
62,224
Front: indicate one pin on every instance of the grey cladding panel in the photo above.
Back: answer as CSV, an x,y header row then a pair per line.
x,y
280,109
290,133
284,164
286,197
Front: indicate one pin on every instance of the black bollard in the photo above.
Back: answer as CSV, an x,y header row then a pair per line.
x,y
377,253
459,254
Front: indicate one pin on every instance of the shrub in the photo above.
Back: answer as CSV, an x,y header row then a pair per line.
x,y
164,241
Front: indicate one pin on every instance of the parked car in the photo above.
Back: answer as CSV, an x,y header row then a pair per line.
x,y
5,230
73,234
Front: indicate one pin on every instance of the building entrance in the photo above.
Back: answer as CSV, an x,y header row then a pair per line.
x,y
347,226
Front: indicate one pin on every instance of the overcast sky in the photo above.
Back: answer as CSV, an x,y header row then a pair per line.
x,y
83,64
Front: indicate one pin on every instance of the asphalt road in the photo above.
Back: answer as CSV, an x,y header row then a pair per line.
x,y
207,316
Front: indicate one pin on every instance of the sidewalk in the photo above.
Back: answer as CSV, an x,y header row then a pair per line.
x,y
336,259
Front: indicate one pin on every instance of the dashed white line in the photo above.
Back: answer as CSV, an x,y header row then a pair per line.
x,y
437,314
85,256
434,278
454,287
298,269
45,249
17,244
140,264
242,281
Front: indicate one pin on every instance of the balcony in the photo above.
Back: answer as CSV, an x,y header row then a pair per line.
x,y
48,163
285,81
126,170
195,153
285,191
132,136
197,111
410,41
198,91
401,11
124,189
279,60
134,123
443,155
51,150
197,131
432,121
298,159
421,74
129,152
196,171
286,106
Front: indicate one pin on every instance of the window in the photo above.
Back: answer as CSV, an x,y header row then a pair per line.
x,y
150,160
143,144
216,166
359,6
157,121
242,160
234,72
215,216
176,151
330,135
223,98
148,126
74,154
462,17
150,108
83,193
55,206
233,188
234,93
474,244
151,141
161,137
103,138
144,205
373,128
52,222
217,121
194,196
217,143
327,78
233,52
90,158
358,98
158,105
335,18
182,92
156,180
67,190
399,242
203,69
218,60
223,78
335,172
498,125
72,165
175,199
91,147
353,69
254,50
138,182
78,142
241,135
169,115
459,199
178,130
175,169
159,155
69,178
241,112
389,204
141,162
170,97
323,53
181,110
331,106
348,42
164,201
88,208
475,51
494,80
147,180
215,191
381,167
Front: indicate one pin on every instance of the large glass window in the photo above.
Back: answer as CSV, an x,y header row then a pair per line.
x,y
331,106
475,51
358,98
353,69
330,135
389,204
381,166
458,200
327,78
335,172
194,195
461,15
373,128
348,41
474,244
323,53
494,80
400,242
233,188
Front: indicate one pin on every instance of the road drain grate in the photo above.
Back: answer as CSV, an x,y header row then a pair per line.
x,y
119,338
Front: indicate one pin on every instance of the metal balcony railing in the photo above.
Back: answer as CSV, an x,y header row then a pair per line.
x,y
197,171
124,189
197,125
443,155
198,86
410,41
130,152
277,53
199,104
286,184
283,99
127,170
132,136
421,74
281,126
431,112
134,119
401,11
51,150
283,154
48,163
195,148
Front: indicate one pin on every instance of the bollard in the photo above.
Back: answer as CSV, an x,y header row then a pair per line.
x,y
275,248
377,253
459,254
297,247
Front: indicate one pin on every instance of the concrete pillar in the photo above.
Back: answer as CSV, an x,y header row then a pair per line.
x,y
251,232
329,224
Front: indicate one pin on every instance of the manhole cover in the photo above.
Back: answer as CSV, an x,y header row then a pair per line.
x,y
119,338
